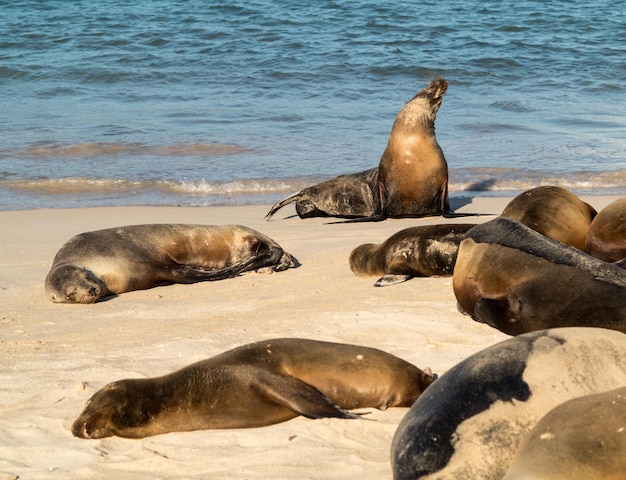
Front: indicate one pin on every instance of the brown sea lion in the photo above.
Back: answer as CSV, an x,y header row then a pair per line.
x,y
97,264
518,280
469,423
554,212
413,252
258,384
581,439
606,239
411,179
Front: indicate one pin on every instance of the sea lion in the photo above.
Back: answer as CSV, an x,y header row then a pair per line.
x,y
469,423
554,212
97,264
413,252
254,385
606,239
411,179
581,439
518,280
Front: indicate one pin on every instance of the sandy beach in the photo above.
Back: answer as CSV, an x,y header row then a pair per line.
x,y
55,356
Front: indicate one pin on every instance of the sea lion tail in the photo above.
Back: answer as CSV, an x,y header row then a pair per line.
x,y
277,206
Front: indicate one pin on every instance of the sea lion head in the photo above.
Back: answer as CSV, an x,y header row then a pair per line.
x,y
68,283
115,409
421,111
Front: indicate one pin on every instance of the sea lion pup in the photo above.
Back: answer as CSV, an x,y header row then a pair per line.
x,y
518,280
411,179
554,212
581,439
421,251
469,423
97,264
254,385
606,239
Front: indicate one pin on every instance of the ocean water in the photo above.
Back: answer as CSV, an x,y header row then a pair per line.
x,y
209,103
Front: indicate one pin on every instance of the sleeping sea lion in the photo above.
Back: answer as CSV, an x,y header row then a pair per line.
x,y
581,439
258,384
606,239
518,280
97,264
421,251
469,423
554,212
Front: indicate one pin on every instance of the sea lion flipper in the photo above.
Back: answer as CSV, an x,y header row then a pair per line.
x,y
301,398
185,273
277,206
392,279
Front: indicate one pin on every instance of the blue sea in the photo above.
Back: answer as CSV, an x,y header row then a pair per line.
x,y
217,103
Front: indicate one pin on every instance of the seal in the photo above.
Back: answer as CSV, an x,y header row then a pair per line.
x,y
583,438
421,251
411,179
98,264
469,423
254,385
606,239
554,212
518,280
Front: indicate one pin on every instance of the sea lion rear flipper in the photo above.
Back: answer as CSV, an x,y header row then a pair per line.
x,y
185,273
392,279
300,397
277,206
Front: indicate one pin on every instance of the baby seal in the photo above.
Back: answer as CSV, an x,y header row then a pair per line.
x,y
411,179
255,385
421,251
97,264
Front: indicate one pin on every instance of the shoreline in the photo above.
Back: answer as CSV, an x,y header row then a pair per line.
x,y
55,356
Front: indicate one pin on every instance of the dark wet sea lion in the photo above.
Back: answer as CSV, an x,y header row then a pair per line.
x,y
581,439
421,251
107,262
606,239
518,280
411,179
469,423
554,212
254,385
346,196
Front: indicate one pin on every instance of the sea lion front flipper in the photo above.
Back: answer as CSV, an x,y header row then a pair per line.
x,y
392,279
300,397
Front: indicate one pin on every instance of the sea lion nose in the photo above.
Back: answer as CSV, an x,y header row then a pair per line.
x,y
93,292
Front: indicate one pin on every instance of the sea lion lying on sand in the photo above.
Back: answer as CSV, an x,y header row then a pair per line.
x,y
258,384
97,264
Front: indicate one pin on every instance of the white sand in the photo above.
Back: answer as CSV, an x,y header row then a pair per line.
x,y
53,357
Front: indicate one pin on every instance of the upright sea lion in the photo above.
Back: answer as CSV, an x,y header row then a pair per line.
x,y
411,179
254,385
518,280
554,212
606,239
469,423
107,262
581,439
413,252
